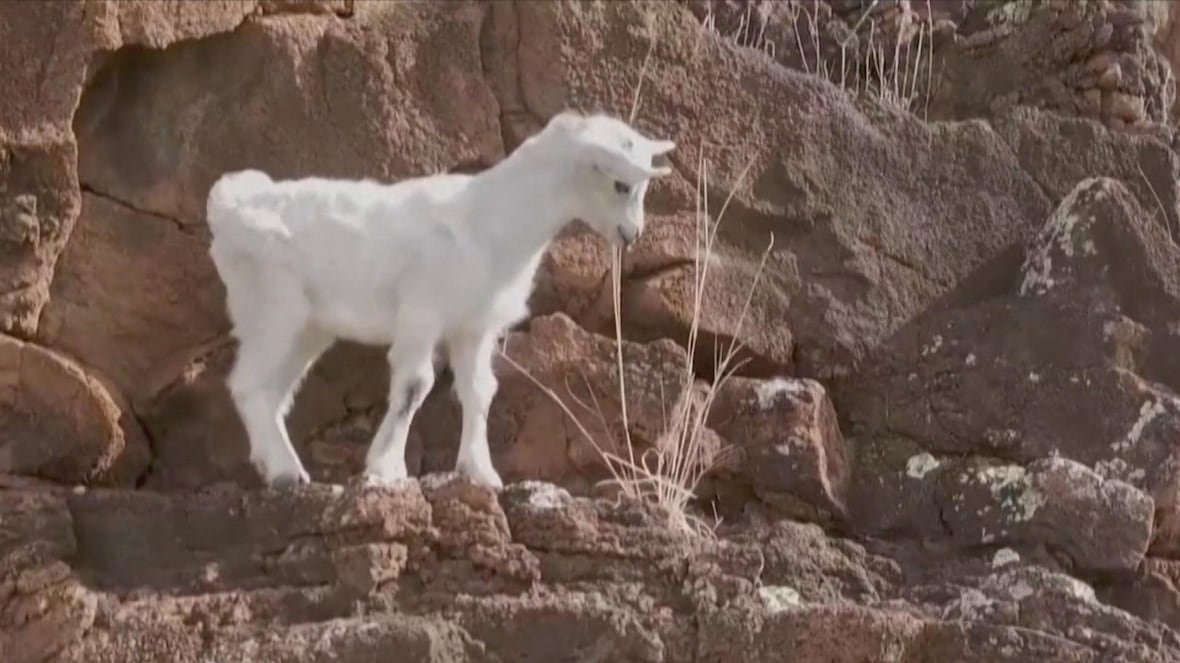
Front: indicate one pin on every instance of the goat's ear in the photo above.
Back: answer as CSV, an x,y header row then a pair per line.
x,y
619,165
659,147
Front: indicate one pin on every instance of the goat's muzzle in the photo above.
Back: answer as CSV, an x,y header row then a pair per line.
x,y
627,235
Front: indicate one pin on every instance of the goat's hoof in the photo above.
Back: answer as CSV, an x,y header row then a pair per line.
x,y
385,477
483,476
290,481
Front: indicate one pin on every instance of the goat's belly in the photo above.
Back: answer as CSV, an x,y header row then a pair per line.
x,y
359,325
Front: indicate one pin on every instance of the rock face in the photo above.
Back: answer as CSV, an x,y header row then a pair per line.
x,y
951,431
61,423
790,449
1070,365
437,569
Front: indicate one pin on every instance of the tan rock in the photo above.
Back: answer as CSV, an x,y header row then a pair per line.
x,y
533,438
39,201
51,48
1127,107
44,606
63,423
1103,525
1090,102
659,300
1111,78
135,296
788,444
1101,61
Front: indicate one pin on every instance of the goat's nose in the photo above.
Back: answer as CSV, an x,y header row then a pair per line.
x,y
628,234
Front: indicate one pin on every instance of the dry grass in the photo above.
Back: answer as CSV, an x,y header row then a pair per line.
x,y
899,71
668,474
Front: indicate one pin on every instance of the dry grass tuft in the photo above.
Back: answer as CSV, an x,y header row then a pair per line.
x,y
898,70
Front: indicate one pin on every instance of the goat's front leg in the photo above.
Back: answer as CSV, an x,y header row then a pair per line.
x,y
475,385
411,377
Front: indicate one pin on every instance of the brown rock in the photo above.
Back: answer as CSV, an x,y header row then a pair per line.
x,y
1059,153
472,524
331,105
268,576
339,7
659,300
1052,372
198,437
1152,595
39,200
1055,605
51,48
197,434
852,269
360,639
223,538
35,517
532,436
1126,107
1101,525
100,311
1167,35
544,516
789,447
1090,102
658,295
1032,60
43,606
63,423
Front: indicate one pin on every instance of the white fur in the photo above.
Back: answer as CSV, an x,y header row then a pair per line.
x,y
444,260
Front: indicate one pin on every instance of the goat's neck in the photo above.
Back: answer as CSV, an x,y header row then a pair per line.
x,y
520,208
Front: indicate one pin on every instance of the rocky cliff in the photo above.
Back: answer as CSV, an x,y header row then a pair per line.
x,y
954,434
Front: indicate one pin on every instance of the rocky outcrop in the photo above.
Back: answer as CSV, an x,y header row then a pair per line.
x,y
445,571
1068,375
951,435
1109,61
61,423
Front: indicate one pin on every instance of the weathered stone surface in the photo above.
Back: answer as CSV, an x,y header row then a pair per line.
x,y
1152,595
1100,525
787,446
35,516
533,437
972,59
896,267
852,268
226,538
63,424
320,572
101,310
43,606
1051,369
737,311
51,48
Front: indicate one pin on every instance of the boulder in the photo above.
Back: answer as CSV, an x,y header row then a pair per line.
x,y
62,423
1069,364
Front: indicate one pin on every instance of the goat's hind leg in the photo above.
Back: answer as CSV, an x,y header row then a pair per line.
x,y
272,359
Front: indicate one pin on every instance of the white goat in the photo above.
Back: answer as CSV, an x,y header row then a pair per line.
x,y
441,260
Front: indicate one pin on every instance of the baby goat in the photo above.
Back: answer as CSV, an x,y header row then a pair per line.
x,y
444,260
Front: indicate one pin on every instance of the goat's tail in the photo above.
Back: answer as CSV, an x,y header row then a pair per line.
x,y
234,222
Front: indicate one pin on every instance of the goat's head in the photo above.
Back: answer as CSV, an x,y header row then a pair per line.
x,y
613,166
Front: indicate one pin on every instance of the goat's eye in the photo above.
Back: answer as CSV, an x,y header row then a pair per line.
x,y
621,188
